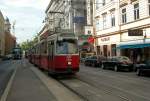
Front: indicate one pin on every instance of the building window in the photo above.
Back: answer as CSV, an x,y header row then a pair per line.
x,y
97,4
149,7
136,11
113,18
124,16
104,21
104,2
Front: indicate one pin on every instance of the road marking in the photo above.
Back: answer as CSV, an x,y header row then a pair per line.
x,y
58,90
8,87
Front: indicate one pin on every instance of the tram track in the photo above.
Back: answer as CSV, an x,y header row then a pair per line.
x,y
78,94
122,89
93,93
86,88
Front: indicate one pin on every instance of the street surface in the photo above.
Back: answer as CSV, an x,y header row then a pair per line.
x,y
6,69
95,84
90,84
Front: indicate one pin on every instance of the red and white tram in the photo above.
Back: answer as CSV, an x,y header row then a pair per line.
x,y
58,53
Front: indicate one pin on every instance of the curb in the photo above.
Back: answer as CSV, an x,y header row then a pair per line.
x,y
8,87
56,88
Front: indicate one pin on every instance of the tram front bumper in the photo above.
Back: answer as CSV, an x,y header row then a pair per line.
x,y
67,70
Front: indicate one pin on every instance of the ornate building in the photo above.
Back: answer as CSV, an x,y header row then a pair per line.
x,y
2,35
122,28
10,40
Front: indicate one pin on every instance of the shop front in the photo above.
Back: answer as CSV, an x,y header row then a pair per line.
x,y
135,44
138,51
107,45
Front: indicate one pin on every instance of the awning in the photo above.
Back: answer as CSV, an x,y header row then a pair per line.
x,y
133,46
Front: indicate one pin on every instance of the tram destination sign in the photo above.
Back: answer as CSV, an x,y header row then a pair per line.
x,y
135,32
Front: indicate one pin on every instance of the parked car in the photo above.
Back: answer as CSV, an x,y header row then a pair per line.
x,y
7,57
82,60
143,68
94,61
118,63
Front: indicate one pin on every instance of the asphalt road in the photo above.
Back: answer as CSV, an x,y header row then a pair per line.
x,y
6,70
95,84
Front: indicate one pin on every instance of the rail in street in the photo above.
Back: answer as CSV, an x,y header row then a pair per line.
x,y
89,84
94,84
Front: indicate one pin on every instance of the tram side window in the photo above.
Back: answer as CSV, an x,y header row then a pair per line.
x,y
43,48
51,49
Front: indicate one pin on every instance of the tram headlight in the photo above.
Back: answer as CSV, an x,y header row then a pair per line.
x,y
69,63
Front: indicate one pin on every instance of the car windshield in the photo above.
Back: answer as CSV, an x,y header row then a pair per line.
x,y
67,47
148,62
123,58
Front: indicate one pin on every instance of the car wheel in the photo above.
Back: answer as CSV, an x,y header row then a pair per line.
x,y
138,72
85,63
93,64
102,66
116,68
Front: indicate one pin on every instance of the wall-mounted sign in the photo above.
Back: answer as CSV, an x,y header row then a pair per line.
x,y
89,18
105,39
78,19
135,32
91,40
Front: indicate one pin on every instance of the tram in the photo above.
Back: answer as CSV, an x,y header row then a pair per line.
x,y
17,53
57,54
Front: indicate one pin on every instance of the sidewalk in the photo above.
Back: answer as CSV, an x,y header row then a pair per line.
x,y
30,84
27,86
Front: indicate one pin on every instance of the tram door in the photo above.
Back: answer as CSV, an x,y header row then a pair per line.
x,y
51,55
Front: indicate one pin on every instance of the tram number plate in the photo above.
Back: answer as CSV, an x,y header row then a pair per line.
x,y
69,58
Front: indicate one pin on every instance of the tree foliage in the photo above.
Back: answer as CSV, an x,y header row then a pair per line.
x,y
29,44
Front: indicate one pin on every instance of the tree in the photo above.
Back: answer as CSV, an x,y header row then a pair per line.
x,y
29,44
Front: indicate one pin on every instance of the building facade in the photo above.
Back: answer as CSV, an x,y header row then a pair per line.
x,y
122,28
66,14
2,35
107,27
135,29
10,40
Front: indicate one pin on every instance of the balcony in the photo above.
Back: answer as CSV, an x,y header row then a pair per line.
x,y
124,2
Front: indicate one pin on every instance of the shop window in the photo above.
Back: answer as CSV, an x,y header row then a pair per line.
x,y
105,50
98,50
113,49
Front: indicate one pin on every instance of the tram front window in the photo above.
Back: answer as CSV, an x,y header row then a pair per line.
x,y
67,47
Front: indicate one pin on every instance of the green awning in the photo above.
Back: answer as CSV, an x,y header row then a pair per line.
x,y
133,46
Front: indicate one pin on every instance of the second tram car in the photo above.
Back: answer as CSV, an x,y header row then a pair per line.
x,y
58,53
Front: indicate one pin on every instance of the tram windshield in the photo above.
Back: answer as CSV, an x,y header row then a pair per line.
x,y
67,46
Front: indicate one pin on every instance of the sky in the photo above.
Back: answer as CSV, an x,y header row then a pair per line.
x,y
28,15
